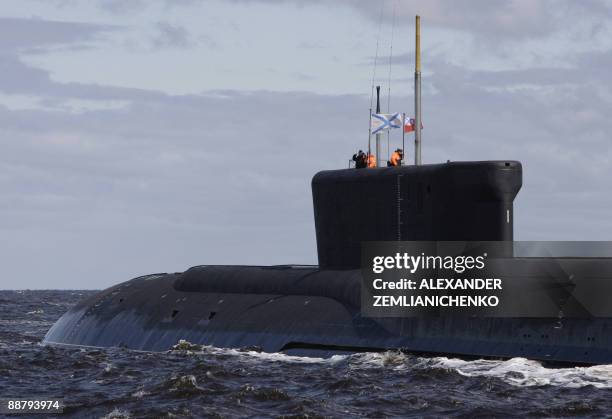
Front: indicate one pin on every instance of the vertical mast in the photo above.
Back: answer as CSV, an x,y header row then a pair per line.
x,y
378,151
403,138
417,95
369,134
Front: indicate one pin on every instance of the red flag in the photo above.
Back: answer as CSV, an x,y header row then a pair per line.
x,y
409,125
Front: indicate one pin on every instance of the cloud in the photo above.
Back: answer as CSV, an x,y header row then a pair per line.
x,y
20,78
170,36
310,45
121,6
503,20
22,34
131,7
82,182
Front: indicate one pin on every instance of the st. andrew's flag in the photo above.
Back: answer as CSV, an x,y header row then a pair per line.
x,y
384,121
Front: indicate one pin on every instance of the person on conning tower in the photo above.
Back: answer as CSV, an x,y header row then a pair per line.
x,y
396,158
371,160
360,160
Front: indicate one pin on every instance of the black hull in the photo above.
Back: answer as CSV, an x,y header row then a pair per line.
x,y
306,309
289,309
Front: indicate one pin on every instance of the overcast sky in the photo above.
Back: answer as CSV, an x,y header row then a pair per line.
x,y
151,136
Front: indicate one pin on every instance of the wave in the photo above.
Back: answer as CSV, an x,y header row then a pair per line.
x,y
526,373
519,372
194,349
117,414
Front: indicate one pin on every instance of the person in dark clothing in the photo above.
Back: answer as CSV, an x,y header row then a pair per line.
x,y
360,160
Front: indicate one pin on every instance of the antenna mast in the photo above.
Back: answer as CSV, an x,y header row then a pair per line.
x,y
417,95
378,153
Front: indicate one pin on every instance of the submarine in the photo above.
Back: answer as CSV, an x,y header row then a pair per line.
x,y
318,310
315,310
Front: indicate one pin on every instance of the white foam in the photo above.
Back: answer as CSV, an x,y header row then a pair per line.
x,y
107,367
281,357
388,359
140,394
519,372
516,371
117,414
255,355
524,372
185,381
39,311
275,356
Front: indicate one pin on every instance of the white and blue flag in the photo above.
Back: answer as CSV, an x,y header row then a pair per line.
x,y
384,121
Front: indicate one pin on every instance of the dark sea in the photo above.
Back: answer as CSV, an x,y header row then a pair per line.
x,y
195,381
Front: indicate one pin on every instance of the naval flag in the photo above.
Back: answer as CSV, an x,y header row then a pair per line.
x,y
384,121
409,124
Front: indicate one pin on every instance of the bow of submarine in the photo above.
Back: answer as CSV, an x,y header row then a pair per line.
x,y
294,309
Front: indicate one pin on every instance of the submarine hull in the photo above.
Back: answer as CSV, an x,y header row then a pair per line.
x,y
305,311
301,309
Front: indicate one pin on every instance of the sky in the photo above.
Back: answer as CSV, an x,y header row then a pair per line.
x,y
149,136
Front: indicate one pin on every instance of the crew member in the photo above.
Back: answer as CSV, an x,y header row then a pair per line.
x,y
396,158
360,160
371,160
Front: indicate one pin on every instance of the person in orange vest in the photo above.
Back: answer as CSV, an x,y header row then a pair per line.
x,y
396,158
371,160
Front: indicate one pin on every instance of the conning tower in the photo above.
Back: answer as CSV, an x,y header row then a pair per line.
x,y
463,201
